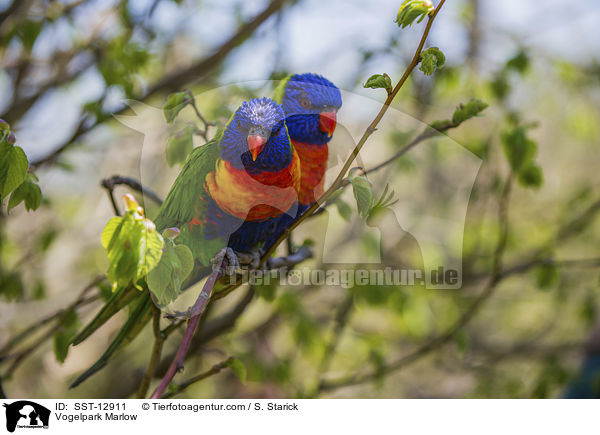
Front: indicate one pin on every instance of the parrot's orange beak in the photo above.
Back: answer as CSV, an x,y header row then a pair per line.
x,y
256,143
327,122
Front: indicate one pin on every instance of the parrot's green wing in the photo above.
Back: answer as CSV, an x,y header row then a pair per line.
x,y
186,202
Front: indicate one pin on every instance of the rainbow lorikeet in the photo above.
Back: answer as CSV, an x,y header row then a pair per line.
x,y
232,191
310,103
228,197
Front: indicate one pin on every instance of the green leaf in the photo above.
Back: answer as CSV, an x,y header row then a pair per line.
x,y
11,286
547,276
519,62
344,209
238,368
166,279
531,176
117,300
69,324
431,59
13,167
363,193
411,10
500,86
133,246
28,32
467,111
518,148
140,315
179,146
378,81
175,104
29,192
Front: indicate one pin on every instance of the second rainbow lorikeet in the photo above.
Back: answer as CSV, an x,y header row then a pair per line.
x,y
310,103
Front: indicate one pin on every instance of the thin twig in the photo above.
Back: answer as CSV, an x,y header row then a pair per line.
x,y
159,339
212,371
206,124
116,180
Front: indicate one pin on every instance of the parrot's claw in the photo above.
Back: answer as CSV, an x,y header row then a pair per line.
x,y
226,261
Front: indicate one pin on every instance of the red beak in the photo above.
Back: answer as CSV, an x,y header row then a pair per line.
x,y
255,144
327,122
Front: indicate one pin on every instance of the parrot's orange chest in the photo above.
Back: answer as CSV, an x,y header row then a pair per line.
x,y
255,197
313,164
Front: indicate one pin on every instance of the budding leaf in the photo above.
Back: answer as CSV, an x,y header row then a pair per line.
x,y
431,59
238,368
134,247
28,192
166,279
411,10
363,193
467,111
377,81
179,146
175,103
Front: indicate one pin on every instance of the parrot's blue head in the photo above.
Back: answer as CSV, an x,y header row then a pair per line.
x,y
256,137
310,103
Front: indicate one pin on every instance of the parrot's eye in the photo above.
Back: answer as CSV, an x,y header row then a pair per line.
x,y
304,102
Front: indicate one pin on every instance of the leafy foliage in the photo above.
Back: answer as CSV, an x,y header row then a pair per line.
x,y
412,10
180,145
13,162
468,111
175,103
431,59
379,81
69,324
175,265
133,245
520,151
28,192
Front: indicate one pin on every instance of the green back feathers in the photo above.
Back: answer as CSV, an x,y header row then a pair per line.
x,y
179,206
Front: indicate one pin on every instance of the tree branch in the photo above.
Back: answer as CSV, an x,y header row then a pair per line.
x,y
159,339
116,180
197,310
175,80
212,371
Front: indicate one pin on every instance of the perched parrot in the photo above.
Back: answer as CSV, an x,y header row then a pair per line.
x,y
231,191
228,197
310,103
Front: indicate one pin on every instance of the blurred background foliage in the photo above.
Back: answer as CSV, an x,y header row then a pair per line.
x,y
517,328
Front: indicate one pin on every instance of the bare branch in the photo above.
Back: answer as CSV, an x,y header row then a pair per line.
x,y
212,371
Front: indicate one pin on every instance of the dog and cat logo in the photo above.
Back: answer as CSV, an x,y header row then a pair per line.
x,y
25,414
